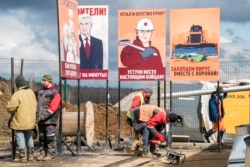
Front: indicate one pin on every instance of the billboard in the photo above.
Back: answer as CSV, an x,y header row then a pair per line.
x,y
142,44
194,44
68,39
93,36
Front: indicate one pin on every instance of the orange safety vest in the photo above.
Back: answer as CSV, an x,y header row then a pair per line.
x,y
146,112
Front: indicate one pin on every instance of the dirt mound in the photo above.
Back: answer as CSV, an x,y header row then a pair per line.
x,y
4,98
99,123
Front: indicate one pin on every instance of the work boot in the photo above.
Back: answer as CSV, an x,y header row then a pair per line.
x,y
30,154
208,134
41,155
22,157
146,153
48,158
154,148
220,136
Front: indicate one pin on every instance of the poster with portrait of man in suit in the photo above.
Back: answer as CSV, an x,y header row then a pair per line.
x,y
93,37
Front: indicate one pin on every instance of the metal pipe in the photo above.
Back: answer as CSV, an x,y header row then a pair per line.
x,y
204,92
247,153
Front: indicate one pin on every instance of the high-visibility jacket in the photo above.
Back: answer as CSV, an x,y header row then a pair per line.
x,y
139,100
148,111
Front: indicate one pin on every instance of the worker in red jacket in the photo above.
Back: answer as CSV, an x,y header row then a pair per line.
x,y
145,119
142,98
142,54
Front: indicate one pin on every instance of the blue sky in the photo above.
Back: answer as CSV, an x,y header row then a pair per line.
x,y
29,27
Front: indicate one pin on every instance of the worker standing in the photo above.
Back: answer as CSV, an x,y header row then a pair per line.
x,y
22,106
48,108
216,114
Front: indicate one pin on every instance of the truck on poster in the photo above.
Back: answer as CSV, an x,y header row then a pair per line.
x,y
194,44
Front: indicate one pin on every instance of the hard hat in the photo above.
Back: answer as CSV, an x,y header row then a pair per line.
x,y
145,24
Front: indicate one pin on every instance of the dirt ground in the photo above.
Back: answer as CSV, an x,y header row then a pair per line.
x,y
99,118
199,155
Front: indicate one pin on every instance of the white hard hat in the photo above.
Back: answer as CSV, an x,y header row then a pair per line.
x,y
145,24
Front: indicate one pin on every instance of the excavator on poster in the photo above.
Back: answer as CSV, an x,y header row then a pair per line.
x,y
196,48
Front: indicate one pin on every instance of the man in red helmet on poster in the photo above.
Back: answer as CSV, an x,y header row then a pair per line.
x,y
141,54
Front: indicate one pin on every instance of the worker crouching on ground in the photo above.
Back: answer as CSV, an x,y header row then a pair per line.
x,y
145,119
141,98
216,114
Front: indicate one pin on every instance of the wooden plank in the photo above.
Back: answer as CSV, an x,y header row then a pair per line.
x,y
89,123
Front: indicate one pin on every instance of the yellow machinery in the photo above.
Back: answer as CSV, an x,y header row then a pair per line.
x,y
237,109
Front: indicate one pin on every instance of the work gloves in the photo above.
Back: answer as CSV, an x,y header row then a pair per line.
x,y
147,53
45,114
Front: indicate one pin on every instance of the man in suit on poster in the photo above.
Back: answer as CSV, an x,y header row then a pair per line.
x,y
91,49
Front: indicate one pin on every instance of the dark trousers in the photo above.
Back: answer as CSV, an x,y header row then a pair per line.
x,y
48,139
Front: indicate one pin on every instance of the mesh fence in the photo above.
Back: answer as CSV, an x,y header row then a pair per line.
x,y
34,70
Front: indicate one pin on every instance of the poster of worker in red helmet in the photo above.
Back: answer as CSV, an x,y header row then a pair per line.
x,y
142,44
93,36
68,28
194,44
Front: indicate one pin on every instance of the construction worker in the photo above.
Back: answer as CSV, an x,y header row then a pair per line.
x,y
48,108
145,119
141,98
216,114
22,106
148,56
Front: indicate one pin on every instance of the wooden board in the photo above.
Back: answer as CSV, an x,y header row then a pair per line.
x,y
89,123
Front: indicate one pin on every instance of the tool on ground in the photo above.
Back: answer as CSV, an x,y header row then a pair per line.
x,y
175,157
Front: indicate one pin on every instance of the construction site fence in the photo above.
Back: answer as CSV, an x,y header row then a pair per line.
x,y
33,70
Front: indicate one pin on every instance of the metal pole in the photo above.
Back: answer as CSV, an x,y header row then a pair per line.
x,y
21,71
13,139
218,109
158,93
205,92
107,116
119,114
60,137
170,124
164,90
78,135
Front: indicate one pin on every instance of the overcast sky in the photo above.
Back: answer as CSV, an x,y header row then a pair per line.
x,y
29,27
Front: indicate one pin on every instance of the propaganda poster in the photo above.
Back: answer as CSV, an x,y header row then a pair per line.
x,y
68,38
142,44
93,36
194,44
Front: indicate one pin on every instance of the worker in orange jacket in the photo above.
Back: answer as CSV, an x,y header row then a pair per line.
x,y
145,119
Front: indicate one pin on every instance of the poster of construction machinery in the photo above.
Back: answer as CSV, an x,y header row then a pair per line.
x,y
142,44
194,44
